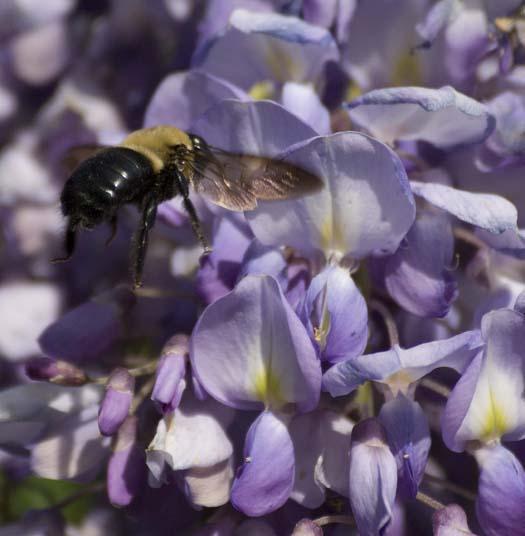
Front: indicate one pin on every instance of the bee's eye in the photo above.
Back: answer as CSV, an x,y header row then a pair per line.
x,y
197,142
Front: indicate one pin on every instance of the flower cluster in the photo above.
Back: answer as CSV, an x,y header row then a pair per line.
x,y
349,361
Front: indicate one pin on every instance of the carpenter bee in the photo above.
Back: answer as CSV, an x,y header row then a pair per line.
x,y
155,164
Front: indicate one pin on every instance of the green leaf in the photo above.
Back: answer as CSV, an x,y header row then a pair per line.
x,y
38,493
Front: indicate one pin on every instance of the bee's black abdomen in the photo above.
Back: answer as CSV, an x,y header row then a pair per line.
x,y
102,183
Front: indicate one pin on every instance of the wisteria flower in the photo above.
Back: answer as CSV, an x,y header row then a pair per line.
x,y
280,371
344,360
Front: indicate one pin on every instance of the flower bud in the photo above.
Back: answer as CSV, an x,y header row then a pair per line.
x,y
449,521
170,382
55,371
306,527
372,468
116,403
126,468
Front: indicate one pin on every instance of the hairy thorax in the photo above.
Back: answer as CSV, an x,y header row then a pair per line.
x,y
156,143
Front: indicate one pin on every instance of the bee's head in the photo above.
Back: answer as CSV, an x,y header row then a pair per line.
x,y
198,143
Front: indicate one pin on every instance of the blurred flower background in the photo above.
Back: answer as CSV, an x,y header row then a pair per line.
x,y
347,362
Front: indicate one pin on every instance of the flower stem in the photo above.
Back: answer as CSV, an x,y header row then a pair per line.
x,y
143,370
141,395
327,520
437,387
458,490
388,319
429,501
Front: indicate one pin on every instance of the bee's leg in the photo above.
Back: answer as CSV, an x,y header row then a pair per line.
x,y
113,223
69,243
196,224
140,246
182,186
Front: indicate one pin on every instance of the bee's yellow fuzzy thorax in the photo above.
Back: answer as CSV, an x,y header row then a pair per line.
x,y
155,142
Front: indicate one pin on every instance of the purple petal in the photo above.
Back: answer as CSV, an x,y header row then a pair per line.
x,y
298,50
116,404
87,330
22,15
40,54
487,402
501,493
458,404
365,207
170,382
209,486
455,352
26,309
409,438
466,42
510,242
321,465
250,349
299,277
126,468
519,305
505,147
450,521
373,477
182,98
487,211
435,21
264,260
55,371
375,50
76,450
261,128
192,436
442,116
25,179
335,314
39,401
215,19
320,12
418,275
220,269
302,101
256,491
306,527
328,13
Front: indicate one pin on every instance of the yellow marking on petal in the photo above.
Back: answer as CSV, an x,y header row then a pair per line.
x,y
282,65
352,91
339,241
399,382
332,237
496,422
364,400
407,70
326,233
264,89
268,388
321,331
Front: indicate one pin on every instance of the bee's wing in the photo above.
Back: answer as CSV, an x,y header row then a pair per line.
x,y
74,156
236,182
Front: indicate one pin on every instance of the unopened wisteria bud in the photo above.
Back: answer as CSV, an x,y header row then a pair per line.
x,y
55,371
449,521
170,382
306,527
372,467
126,467
116,403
